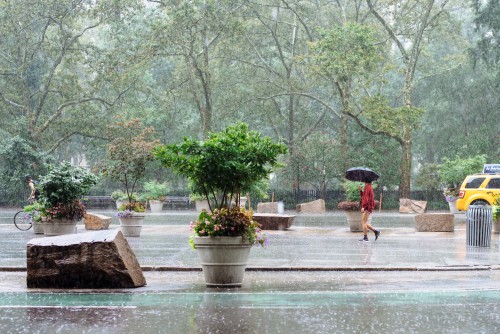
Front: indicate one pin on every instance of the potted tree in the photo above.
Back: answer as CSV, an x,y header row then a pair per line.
x,y
127,158
352,205
221,168
60,193
155,193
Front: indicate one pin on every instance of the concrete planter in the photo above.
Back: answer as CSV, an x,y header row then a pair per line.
x,y
131,226
38,227
202,204
354,220
453,207
156,206
496,225
59,227
223,260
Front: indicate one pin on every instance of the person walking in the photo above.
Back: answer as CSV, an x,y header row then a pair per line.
x,y
34,192
367,206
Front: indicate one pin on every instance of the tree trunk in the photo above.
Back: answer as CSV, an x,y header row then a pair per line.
x,y
405,168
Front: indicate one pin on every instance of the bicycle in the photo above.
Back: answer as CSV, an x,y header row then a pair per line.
x,y
24,220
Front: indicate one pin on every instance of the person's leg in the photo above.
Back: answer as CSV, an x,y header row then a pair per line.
x,y
364,223
370,227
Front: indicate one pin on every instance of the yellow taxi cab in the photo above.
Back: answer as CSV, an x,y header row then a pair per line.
x,y
480,189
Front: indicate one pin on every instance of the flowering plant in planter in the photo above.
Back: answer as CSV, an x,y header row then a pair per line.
x,y
128,210
450,194
227,223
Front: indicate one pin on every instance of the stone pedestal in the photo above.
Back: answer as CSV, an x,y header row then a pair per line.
x,y
94,221
407,205
270,221
92,260
435,222
317,206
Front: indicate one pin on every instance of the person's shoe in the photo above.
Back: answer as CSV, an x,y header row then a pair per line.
x,y
377,233
365,239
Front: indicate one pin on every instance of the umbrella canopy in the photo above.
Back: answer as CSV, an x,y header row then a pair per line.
x,y
361,174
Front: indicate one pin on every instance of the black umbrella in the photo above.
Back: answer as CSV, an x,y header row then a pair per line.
x,y
361,174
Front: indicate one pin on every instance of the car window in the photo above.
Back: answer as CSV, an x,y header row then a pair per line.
x,y
474,182
494,183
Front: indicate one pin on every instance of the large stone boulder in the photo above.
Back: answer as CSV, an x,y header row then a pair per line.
x,y
273,221
95,221
317,206
92,260
268,207
435,222
407,205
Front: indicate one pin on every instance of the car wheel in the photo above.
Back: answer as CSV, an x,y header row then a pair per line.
x,y
480,202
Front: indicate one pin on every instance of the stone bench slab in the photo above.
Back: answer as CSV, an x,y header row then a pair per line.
x,y
435,222
271,221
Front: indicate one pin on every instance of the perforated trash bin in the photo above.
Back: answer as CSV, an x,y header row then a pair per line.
x,y
478,225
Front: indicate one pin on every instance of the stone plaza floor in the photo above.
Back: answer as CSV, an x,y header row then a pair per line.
x,y
315,277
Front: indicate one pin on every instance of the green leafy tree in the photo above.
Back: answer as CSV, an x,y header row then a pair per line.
x,y
128,153
224,165
452,172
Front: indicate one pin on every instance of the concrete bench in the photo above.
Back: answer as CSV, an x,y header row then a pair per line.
x,y
273,221
100,202
174,201
435,222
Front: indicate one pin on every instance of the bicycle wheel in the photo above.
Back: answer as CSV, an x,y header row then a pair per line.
x,y
22,220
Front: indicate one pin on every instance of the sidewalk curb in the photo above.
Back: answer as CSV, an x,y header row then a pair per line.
x,y
304,269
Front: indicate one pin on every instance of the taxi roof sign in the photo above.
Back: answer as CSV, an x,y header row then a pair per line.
x,y
491,169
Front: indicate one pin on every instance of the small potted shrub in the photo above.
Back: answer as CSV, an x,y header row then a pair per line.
x,y
352,205
121,197
60,193
221,168
156,194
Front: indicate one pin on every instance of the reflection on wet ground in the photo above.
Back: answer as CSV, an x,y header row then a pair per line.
x,y
285,302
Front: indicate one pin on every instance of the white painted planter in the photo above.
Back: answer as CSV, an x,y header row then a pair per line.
x,y
156,206
496,225
202,204
59,227
354,220
131,226
453,207
38,227
223,260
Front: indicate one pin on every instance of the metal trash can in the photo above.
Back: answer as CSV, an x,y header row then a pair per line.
x,y
478,225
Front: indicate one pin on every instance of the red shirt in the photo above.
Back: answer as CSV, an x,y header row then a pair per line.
x,y
367,198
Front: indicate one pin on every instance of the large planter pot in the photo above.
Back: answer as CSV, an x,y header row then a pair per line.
x,y
496,225
131,226
38,227
453,207
155,206
223,260
59,227
202,204
354,220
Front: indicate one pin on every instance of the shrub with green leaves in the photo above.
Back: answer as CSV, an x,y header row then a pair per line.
x,y
65,183
224,165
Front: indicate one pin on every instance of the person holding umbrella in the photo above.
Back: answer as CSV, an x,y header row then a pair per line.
x,y
367,206
367,176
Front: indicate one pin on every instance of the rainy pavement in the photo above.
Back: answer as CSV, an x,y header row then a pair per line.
x,y
314,278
